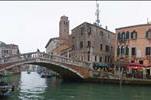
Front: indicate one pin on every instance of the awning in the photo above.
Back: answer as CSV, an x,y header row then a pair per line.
x,y
101,65
135,66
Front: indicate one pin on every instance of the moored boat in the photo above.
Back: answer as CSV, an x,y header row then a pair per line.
x,y
5,87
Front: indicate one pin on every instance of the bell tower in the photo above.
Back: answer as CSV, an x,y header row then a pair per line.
x,y
64,28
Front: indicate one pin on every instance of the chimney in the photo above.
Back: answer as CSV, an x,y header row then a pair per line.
x,y
106,27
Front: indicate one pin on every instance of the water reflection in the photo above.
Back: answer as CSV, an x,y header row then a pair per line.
x,y
32,87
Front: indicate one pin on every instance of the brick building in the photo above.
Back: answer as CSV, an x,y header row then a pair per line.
x,y
92,43
87,42
59,45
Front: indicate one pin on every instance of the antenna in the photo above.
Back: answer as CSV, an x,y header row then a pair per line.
x,y
97,14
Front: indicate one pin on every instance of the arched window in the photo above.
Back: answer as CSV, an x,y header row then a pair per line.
x,y
101,33
123,35
127,51
134,35
118,51
89,31
127,35
148,34
89,44
119,36
82,30
122,50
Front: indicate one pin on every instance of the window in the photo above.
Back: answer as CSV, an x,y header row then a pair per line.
x,y
107,49
64,22
89,30
81,44
89,44
119,36
122,50
108,58
100,59
118,51
134,35
141,62
127,50
148,51
101,47
105,59
101,33
148,34
82,30
133,51
73,37
5,51
127,35
123,35
95,58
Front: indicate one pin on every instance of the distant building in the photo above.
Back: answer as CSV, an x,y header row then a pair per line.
x,y
92,43
64,28
8,49
133,44
51,45
58,45
87,42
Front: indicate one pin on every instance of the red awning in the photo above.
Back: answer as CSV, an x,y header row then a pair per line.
x,y
135,66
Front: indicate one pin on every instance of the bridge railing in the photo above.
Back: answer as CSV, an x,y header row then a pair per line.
x,y
63,60
44,56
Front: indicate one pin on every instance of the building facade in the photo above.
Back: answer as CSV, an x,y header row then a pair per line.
x,y
8,49
133,44
51,45
87,42
92,43
61,44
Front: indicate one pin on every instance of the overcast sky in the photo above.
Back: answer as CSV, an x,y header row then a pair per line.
x,y
30,24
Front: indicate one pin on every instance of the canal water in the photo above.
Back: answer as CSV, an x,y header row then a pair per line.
x,y
32,87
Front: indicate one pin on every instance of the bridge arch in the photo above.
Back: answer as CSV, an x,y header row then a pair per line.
x,y
65,72
68,68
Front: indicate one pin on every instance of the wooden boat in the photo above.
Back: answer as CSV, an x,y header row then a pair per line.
x,y
5,87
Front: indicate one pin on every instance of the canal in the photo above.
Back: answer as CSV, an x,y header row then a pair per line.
x,y
32,87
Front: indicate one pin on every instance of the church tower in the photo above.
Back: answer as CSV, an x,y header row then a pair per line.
x,y
64,28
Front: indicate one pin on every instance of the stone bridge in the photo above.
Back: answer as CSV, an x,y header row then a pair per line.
x,y
69,69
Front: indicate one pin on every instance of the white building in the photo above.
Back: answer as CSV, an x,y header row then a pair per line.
x,y
51,45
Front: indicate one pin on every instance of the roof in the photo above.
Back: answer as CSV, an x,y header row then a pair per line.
x,y
2,43
61,48
51,39
94,26
133,26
